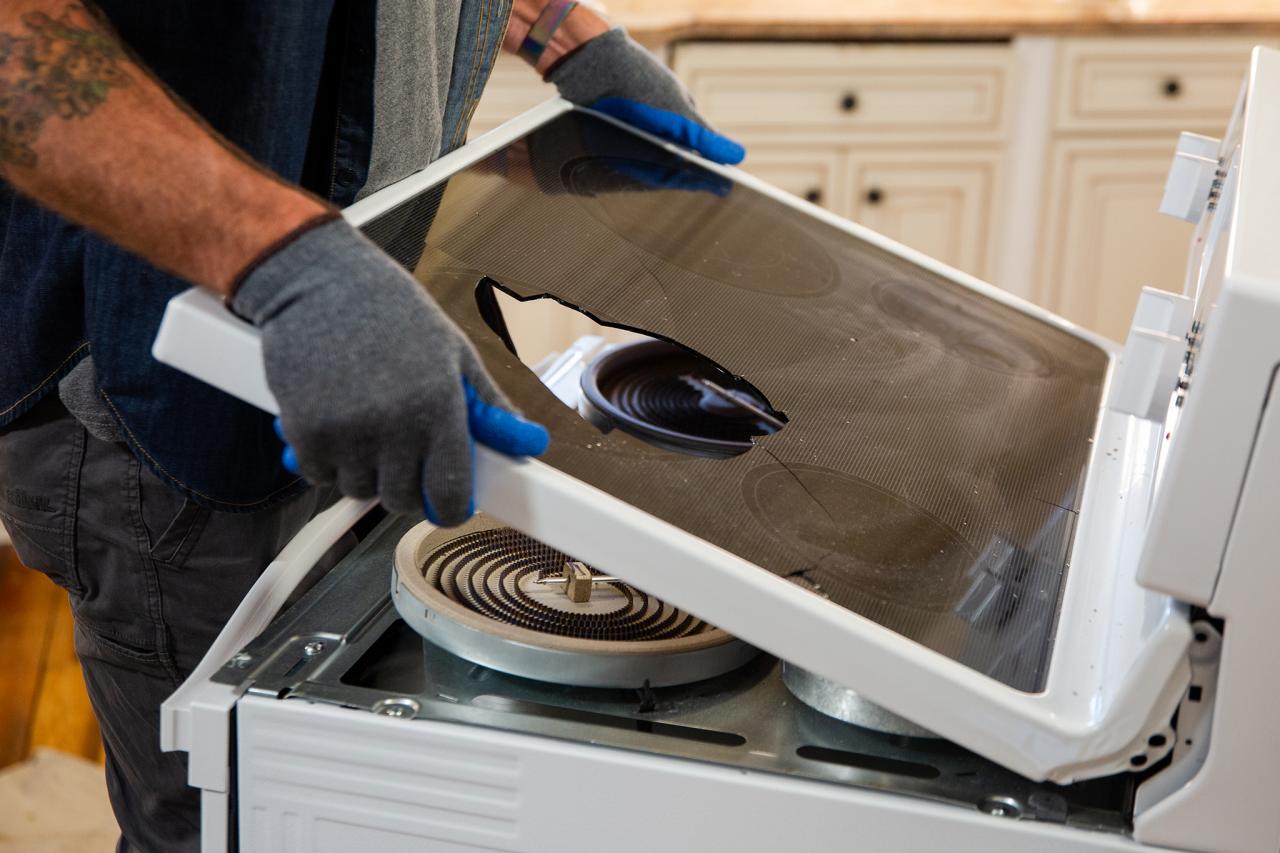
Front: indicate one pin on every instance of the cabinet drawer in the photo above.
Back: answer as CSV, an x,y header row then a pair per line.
x,y
836,91
937,203
1149,83
810,173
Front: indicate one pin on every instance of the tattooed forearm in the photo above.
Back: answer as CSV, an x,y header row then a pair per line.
x,y
89,133
61,67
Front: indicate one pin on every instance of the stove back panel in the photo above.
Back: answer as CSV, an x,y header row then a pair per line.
x,y
930,472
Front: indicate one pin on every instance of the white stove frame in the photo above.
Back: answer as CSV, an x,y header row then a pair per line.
x,y
1122,663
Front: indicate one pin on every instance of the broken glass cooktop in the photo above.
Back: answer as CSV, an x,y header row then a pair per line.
x,y
929,471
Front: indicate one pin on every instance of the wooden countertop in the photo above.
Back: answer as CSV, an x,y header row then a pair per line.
x,y
654,21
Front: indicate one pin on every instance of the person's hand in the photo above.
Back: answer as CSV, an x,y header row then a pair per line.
x,y
614,75
379,391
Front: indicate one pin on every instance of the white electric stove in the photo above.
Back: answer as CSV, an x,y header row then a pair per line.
x,y
963,573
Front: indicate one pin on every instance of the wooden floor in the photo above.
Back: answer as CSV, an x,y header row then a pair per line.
x,y
42,696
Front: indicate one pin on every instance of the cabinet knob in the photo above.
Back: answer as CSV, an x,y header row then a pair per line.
x,y
875,195
1172,87
849,102
813,196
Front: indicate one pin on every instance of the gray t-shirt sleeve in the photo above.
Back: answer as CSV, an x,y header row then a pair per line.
x,y
411,86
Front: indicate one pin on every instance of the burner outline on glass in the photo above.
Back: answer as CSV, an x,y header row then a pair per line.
x,y
773,258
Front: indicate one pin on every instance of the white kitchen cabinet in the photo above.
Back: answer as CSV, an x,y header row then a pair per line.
x,y
905,138
815,174
836,93
939,202
1115,85
1118,107
1105,241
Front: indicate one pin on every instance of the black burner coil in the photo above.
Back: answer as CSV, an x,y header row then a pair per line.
x,y
483,570
676,399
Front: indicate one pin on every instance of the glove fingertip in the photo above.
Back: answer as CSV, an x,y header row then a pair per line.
x,y
728,151
289,459
537,438
507,432
716,147
448,519
524,438
428,510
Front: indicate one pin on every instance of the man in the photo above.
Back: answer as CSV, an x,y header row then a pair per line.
x,y
148,146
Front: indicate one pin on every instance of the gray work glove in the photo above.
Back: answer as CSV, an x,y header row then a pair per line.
x,y
614,75
379,391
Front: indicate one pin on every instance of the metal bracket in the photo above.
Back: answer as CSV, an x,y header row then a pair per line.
x,y
186,707
1195,714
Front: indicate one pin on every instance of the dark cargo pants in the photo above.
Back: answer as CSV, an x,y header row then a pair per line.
x,y
152,578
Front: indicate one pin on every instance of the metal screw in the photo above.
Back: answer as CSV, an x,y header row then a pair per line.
x,y
241,660
399,707
313,648
1001,807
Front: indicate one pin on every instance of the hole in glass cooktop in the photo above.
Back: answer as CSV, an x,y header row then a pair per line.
x,y
655,390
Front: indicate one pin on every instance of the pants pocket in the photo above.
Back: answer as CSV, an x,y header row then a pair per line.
x,y
171,522
40,461
44,551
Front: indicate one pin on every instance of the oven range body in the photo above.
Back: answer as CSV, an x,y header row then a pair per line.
x,y
1042,556
359,734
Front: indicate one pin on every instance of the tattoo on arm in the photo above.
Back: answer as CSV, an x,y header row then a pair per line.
x,y
61,67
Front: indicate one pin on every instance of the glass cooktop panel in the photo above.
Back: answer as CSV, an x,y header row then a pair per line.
x,y
929,473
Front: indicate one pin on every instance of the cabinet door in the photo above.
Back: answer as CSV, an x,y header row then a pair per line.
x,y
810,173
936,202
1104,237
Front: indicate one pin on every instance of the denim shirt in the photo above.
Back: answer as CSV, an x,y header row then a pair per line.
x,y
291,83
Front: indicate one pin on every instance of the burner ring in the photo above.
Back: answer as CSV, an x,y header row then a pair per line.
x,y
676,399
867,546
471,591
947,321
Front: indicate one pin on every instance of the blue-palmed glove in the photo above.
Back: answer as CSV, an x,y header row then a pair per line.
x,y
379,391
614,75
